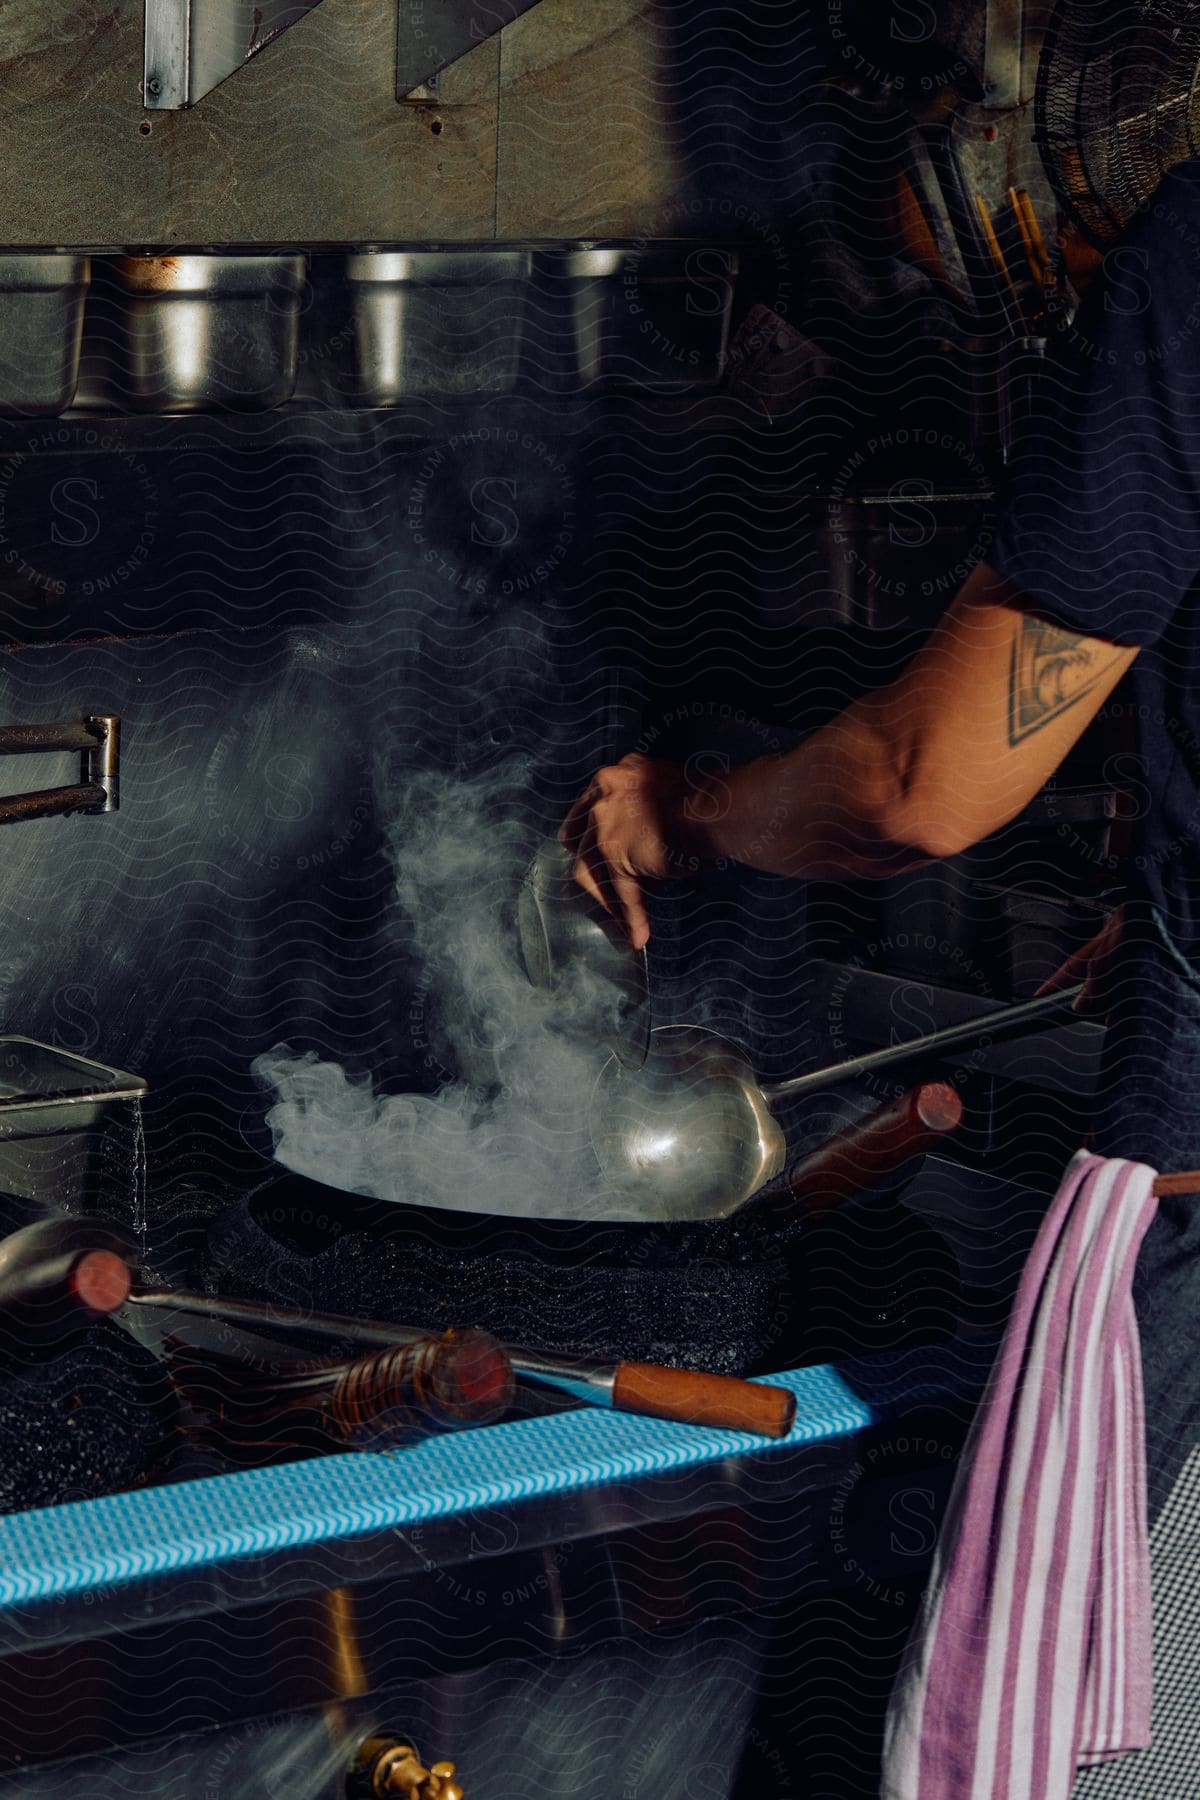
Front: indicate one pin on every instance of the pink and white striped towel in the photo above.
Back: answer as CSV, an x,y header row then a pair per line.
x,y
1030,1656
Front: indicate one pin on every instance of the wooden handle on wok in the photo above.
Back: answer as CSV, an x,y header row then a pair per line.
x,y
696,1399
885,1140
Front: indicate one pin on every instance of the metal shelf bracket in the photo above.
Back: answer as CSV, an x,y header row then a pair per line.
x,y
191,46
445,32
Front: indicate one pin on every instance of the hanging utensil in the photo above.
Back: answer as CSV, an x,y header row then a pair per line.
x,y
570,946
692,1135
998,259
1025,203
1022,213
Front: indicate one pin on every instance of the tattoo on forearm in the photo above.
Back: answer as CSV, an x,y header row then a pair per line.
x,y
1050,671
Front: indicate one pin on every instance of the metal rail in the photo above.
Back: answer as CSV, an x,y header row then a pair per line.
x,y
97,738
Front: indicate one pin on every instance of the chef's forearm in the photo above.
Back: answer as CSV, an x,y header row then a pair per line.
x,y
838,807
951,751
945,755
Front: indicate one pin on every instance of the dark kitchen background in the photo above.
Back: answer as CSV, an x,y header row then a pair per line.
x,y
642,381
686,496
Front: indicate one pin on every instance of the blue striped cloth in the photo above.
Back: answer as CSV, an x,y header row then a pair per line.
x,y
121,1538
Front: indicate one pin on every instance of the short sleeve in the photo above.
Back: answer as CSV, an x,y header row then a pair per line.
x,y
1101,525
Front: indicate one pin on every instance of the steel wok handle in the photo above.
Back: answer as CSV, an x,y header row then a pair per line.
x,y
1010,1021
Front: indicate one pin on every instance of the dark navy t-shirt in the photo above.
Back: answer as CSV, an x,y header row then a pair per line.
x,y
1101,526
1101,530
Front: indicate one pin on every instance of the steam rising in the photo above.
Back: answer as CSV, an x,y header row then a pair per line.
x,y
508,1134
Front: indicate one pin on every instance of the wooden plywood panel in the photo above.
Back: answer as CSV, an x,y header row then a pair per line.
x,y
70,104
309,142
587,134
306,144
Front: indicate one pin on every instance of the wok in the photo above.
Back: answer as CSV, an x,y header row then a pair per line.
x,y
692,1135
798,1277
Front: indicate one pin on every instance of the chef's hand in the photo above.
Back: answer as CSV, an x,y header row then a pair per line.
x,y
1094,964
630,825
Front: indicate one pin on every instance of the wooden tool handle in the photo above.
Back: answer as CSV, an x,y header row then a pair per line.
x,y
1186,1182
697,1399
885,1140
997,255
1021,213
1033,228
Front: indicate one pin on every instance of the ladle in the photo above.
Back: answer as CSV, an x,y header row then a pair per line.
x,y
692,1135
569,944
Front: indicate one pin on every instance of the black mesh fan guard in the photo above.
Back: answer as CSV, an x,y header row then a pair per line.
x,y
1117,104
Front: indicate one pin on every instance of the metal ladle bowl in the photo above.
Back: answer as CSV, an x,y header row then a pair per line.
x,y
690,1131
571,944
691,1135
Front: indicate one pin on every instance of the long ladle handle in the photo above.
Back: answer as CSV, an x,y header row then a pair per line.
x,y
1010,1021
